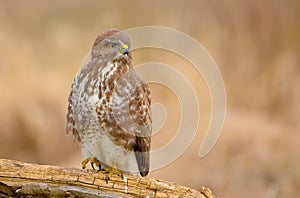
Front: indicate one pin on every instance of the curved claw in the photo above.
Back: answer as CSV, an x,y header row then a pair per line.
x,y
93,161
110,171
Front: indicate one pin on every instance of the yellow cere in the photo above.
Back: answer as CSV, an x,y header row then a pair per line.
x,y
124,46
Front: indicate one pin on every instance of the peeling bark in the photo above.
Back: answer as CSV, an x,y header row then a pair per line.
x,y
19,179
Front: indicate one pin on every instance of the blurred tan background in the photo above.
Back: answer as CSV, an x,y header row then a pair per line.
x,y
255,43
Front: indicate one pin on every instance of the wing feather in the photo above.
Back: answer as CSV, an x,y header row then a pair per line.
x,y
70,119
142,116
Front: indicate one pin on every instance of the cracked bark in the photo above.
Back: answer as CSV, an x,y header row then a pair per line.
x,y
19,179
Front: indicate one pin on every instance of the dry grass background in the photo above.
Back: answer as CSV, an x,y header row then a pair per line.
x,y
255,43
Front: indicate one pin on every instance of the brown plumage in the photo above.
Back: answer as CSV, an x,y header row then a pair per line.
x,y
109,107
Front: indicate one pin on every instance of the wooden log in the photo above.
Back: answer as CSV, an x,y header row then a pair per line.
x,y
19,179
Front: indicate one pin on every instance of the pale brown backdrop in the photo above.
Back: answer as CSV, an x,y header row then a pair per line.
x,y
255,43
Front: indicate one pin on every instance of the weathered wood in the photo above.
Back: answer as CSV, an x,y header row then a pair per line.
x,y
23,179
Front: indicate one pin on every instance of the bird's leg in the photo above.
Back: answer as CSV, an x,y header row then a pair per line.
x,y
110,171
85,162
93,161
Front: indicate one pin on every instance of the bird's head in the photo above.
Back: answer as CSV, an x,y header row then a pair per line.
x,y
112,45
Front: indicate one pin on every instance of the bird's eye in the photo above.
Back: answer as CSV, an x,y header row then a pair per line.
x,y
112,45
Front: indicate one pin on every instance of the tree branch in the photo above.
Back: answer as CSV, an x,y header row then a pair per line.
x,y
24,179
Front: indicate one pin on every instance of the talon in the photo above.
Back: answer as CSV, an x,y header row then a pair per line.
x,y
92,165
110,171
84,163
93,161
96,162
106,178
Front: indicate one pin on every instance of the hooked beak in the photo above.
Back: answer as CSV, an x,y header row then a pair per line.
x,y
125,49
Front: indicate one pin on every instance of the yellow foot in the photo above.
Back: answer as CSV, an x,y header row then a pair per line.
x,y
110,171
93,161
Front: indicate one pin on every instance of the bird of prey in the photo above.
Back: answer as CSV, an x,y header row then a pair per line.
x,y
109,109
